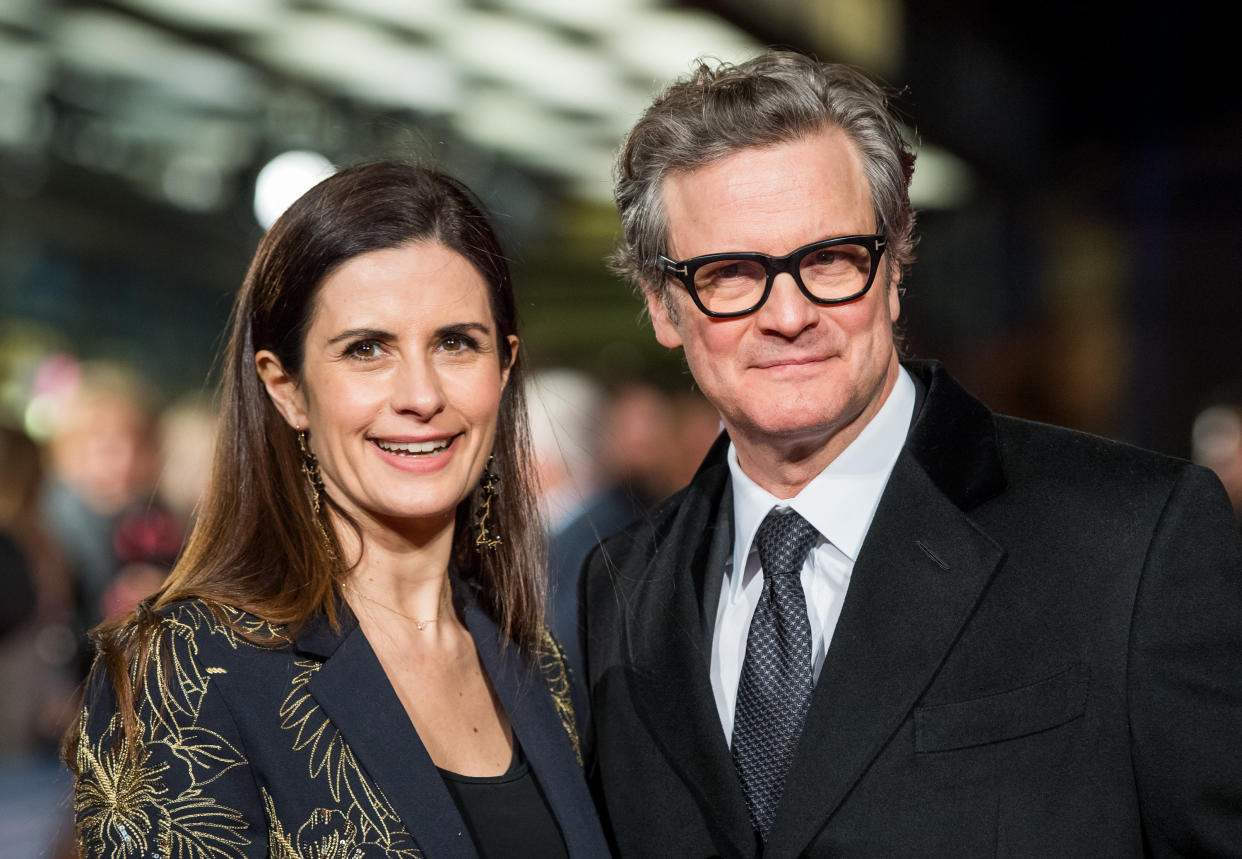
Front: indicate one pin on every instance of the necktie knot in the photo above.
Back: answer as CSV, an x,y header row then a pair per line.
x,y
784,540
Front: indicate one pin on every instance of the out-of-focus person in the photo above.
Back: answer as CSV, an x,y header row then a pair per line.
x,y
38,666
601,461
103,462
37,645
149,535
696,427
350,659
1217,444
187,440
564,408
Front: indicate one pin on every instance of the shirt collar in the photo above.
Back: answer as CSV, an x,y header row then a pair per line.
x,y
839,501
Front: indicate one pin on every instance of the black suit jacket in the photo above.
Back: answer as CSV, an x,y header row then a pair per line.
x,y
1040,654
303,749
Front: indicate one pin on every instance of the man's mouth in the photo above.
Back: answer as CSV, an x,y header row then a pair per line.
x,y
792,361
414,448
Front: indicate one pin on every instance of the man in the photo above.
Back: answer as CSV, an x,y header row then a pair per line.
x,y
882,621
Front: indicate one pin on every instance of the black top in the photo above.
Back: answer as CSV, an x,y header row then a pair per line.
x,y
507,815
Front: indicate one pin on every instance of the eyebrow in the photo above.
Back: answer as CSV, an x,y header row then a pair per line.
x,y
362,333
380,334
462,327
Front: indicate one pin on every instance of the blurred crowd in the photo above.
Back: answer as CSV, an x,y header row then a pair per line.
x,y
92,516
90,521
605,455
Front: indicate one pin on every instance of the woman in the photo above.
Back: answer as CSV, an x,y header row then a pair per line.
x,y
350,659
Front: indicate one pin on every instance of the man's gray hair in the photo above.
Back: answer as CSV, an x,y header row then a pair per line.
x,y
721,109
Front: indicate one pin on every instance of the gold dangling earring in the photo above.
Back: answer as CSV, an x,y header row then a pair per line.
x,y
489,484
310,467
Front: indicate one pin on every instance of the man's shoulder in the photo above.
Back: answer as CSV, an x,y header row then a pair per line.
x,y
1030,448
975,454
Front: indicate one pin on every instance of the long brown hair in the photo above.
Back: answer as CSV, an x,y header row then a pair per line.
x,y
257,544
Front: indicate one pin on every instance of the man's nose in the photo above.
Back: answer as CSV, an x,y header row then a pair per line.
x,y
787,312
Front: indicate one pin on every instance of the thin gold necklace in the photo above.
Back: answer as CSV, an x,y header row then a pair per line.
x,y
419,623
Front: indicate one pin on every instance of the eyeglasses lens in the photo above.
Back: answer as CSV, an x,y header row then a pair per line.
x,y
836,272
831,273
729,286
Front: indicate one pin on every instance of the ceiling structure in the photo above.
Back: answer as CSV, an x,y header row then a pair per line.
x,y
181,98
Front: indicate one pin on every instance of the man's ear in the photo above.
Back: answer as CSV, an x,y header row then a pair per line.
x,y
894,293
283,388
661,319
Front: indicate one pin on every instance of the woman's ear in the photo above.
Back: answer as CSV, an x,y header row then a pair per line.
x,y
283,388
513,350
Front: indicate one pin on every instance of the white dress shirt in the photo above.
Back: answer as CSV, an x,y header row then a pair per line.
x,y
840,502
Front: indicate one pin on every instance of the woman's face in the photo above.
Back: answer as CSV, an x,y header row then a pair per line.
x,y
400,385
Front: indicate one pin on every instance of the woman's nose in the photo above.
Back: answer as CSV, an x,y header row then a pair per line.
x,y
419,390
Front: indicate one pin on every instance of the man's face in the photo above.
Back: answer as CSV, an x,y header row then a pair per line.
x,y
794,380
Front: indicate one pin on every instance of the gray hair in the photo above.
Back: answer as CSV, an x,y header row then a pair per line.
x,y
777,97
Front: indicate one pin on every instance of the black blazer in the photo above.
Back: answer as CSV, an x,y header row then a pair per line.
x,y
1040,654
303,749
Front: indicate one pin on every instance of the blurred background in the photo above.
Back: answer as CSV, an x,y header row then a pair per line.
x,y
1078,184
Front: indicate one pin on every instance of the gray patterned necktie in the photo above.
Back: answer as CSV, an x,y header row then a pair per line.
x,y
775,690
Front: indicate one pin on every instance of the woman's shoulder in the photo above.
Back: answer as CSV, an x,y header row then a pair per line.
x,y
553,668
206,618
203,631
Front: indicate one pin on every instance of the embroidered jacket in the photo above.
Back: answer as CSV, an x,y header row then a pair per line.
x,y
301,749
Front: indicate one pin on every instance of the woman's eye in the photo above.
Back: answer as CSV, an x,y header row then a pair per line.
x,y
457,343
365,349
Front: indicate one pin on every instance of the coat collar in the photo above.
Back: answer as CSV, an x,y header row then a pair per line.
x,y
953,438
379,734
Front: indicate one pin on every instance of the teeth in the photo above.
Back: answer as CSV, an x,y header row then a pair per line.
x,y
413,447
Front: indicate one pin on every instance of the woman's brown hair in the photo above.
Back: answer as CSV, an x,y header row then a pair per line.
x,y
257,544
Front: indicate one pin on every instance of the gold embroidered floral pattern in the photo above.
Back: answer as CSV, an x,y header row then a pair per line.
x,y
157,799
327,834
124,810
551,661
330,758
123,801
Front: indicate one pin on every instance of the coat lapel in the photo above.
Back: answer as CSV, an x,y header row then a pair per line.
x,y
528,704
918,578
381,737
669,631
920,574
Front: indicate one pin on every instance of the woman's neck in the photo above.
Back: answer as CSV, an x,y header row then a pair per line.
x,y
402,571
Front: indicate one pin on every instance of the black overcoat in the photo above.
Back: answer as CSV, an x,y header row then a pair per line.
x,y
1040,654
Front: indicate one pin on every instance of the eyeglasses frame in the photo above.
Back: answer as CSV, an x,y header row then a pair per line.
x,y
789,264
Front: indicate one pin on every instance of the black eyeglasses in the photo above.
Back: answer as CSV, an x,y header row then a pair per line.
x,y
832,271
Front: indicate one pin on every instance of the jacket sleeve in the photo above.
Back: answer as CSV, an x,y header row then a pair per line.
x,y
1185,676
184,788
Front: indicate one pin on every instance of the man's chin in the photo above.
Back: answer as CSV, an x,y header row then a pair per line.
x,y
813,430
